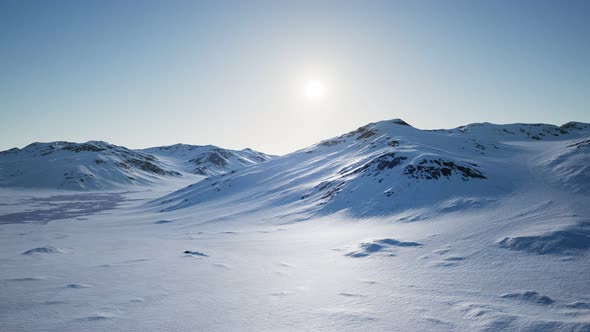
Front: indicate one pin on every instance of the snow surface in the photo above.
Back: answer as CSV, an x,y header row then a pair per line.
x,y
498,241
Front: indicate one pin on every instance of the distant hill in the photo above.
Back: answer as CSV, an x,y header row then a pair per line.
x,y
93,165
207,160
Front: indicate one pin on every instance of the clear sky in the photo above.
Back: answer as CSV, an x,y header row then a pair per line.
x,y
234,73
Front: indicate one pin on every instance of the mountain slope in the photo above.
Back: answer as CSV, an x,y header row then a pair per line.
x,y
390,166
92,165
528,185
207,160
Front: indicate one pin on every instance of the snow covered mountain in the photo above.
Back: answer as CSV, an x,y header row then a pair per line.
x,y
478,228
535,176
207,160
390,166
97,165
93,165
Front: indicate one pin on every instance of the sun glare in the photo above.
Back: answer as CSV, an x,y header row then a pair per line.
x,y
314,89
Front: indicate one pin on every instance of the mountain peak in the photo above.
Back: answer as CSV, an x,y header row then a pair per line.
x,y
400,122
574,125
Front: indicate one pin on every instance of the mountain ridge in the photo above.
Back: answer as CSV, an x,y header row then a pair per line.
x,y
387,166
208,160
99,165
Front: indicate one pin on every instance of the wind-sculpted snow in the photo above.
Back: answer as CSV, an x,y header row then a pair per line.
x,y
389,166
492,318
569,165
529,296
568,240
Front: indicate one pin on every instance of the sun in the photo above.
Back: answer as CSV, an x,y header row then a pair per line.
x,y
314,89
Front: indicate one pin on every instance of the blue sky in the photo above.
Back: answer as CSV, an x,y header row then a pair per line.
x,y
232,73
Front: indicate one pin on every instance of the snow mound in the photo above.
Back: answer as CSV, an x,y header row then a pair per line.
x,y
507,322
579,305
369,248
554,242
44,250
77,286
487,317
528,296
96,317
163,222
195,253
